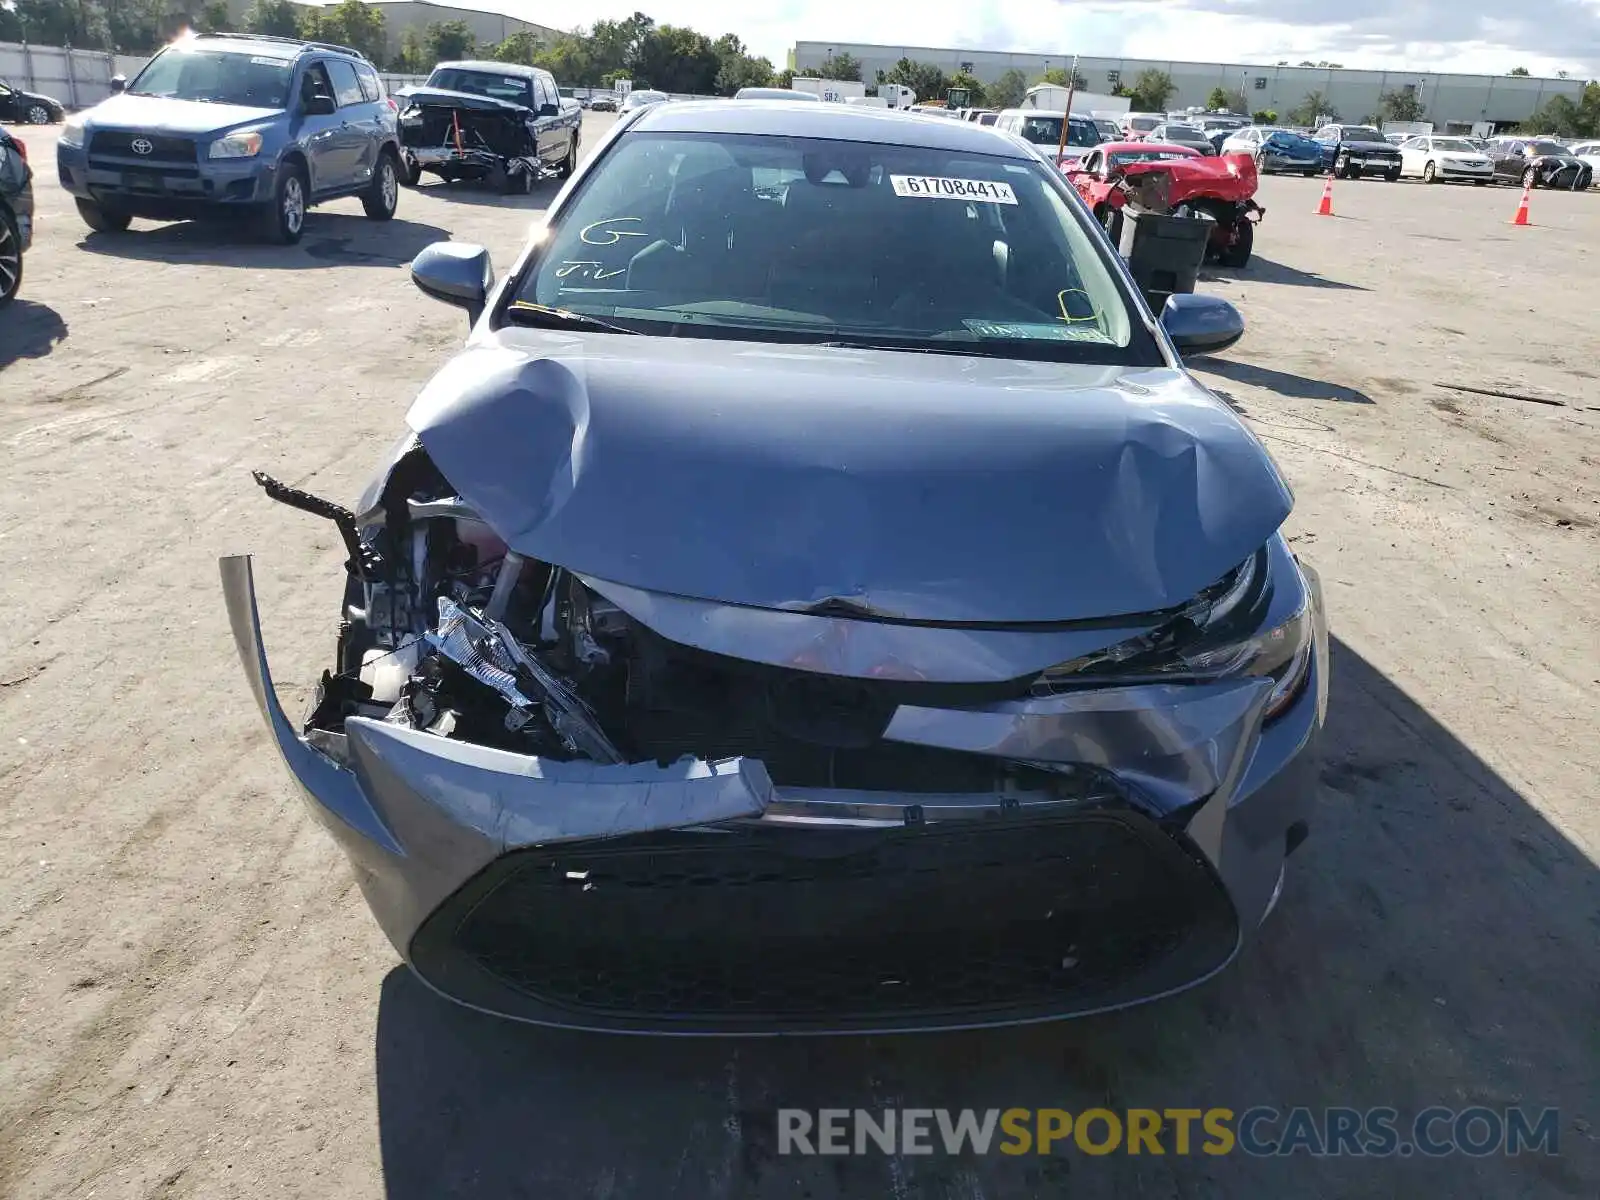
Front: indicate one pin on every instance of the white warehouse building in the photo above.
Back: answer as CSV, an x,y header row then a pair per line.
x,y
1454,102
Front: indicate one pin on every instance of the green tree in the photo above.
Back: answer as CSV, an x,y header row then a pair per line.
x,y
783,79
614,45
975,89
80,23
520,47
1059,77
1518,71
840,66
1399,106
278,18
1151,90
567,58
1008,90
1558,117
737,67
412,57
1222,98
449,41
352,23
1312,109
673,58
925,79
1264,116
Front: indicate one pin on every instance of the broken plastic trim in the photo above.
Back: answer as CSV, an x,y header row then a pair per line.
x,y
488,651
364,561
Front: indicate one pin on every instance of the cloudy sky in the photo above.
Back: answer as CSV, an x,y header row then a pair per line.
x,y
1490,36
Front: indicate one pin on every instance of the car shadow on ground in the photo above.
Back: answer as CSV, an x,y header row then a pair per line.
x,y
1264,270
337,239
1298,386
1435,945
467,191
29,329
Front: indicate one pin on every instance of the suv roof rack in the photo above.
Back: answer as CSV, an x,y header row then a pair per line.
x,y
307,43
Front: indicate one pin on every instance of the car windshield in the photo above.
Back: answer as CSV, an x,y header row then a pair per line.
x,y
1362,133
640,99
514,89
1546,148
1122,158
1046,131
1143,124
1182,133
184,72
1283,137
788,239
1455,144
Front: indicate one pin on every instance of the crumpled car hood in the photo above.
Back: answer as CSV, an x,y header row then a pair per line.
x,y
444,98
911,486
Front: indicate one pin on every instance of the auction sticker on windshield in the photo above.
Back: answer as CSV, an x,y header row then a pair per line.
x,y
940,188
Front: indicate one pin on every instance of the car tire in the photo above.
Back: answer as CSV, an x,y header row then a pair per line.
x,y
411,173
1238,254
38,114
382,196
569,164
285,219
10,259
1530,178
103,220
1430,173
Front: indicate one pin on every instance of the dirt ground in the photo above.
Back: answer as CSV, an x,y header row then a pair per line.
x,y
196,1003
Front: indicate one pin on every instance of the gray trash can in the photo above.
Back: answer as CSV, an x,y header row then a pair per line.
x,y
1164,253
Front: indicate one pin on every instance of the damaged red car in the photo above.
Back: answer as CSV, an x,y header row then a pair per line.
x,y
1220,188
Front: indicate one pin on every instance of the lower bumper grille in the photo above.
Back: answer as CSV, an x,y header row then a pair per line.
x,y
761,928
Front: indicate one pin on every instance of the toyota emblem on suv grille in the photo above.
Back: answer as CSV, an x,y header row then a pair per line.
x,y
141,145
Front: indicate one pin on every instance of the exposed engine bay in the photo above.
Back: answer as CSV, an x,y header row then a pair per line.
x,y
469,141
446,631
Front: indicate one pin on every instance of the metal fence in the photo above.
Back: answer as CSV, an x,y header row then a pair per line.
x,y
77,78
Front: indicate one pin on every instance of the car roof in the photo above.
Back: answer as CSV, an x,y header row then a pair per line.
x,y
491,68
265,48
839,122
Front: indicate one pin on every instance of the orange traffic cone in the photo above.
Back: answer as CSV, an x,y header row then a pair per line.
x,y
1522,209
1325,206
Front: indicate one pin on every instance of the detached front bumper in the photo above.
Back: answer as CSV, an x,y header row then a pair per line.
x,y
700,899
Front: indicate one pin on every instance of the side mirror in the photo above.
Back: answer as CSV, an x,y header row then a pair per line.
x,y
320,106
119,84
549,110
458,273
1201,324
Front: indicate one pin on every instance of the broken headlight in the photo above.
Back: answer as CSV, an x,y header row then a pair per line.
x,y
1228,629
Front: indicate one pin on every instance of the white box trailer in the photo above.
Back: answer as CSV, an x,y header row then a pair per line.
x,y
1052,98
836,91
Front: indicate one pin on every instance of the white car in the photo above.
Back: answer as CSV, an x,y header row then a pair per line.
x,y
1439,159
1589,152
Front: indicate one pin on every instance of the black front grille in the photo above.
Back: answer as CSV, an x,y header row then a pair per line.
x,y
164,148
801,928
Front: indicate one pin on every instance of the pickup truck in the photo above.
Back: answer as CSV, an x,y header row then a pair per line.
x,y
503,123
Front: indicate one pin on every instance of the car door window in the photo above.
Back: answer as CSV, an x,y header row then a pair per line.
x,y
314,84
346,88
371,85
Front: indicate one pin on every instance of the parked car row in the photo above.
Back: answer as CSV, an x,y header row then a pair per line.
x,y
258,129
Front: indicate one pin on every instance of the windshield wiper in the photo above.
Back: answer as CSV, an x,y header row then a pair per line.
x,y
542,316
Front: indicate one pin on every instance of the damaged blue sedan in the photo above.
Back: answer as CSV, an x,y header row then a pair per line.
x,y
816,599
